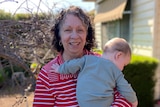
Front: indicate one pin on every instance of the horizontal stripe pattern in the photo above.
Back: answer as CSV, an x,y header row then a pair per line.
x,y
120,101
55,90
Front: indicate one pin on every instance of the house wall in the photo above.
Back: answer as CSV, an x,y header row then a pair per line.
x,y
156,46
98,34
142,27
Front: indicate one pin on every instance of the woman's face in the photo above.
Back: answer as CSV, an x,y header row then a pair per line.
x,y
73,36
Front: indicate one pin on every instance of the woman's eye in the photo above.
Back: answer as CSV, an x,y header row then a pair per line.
x,y
80,30
67,30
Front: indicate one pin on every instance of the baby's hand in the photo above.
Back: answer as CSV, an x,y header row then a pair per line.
x,y
55,67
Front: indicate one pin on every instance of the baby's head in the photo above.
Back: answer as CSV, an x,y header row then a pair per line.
x,y
118,51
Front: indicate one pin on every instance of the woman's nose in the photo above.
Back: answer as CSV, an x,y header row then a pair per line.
x,y
74,34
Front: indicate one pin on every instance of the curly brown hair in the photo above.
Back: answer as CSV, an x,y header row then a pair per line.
x,y
90,39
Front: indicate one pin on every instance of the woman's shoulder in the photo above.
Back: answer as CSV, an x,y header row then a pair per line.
x,y
48,65
92,53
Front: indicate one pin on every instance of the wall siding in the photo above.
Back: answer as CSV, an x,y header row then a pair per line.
x,y
156,47
142,26
98,35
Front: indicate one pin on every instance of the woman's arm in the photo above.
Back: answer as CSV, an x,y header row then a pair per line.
x,y
42,94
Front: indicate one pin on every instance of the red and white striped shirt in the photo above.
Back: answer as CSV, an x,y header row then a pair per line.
x,y
59,90
120,101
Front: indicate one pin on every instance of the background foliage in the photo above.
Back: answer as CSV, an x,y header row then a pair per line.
x,y
140,73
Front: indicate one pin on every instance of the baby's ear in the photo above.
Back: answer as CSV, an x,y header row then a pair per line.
x,y
118,55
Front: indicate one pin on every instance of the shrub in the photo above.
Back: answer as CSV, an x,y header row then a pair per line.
x,y
140,73
22,16
8,70
97,51
1,78
5,15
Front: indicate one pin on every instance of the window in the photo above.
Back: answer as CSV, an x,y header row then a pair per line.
x,y
117,28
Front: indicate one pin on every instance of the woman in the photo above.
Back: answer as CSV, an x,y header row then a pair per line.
x,y
73,37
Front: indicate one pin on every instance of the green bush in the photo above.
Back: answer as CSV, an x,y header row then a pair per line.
x,y
27,16
8,70
140,73
1,78
5,15
97,51
22,16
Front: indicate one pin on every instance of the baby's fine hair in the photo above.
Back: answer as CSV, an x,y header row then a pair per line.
x,y
117,44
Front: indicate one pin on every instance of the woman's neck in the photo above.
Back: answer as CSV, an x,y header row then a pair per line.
x,y
66,56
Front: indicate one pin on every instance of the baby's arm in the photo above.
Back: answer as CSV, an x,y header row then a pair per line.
x,y
125,89
71,66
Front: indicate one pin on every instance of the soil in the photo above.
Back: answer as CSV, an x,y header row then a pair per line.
x,y
16,100
16,97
